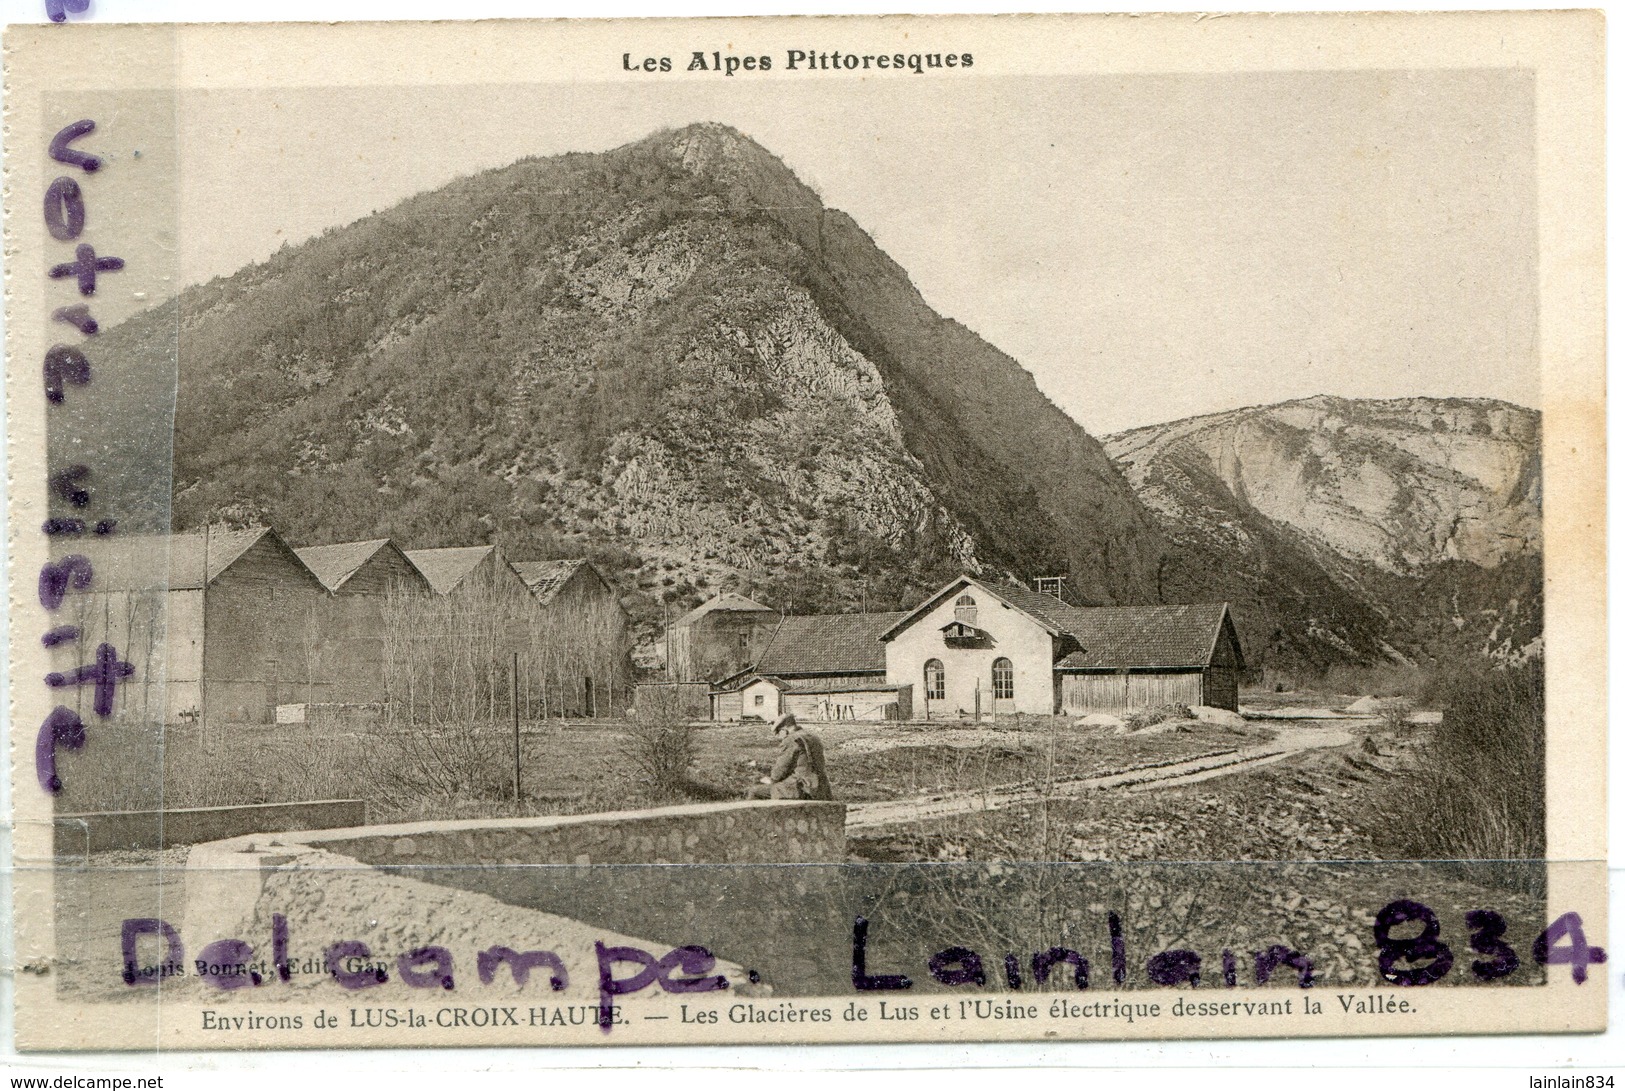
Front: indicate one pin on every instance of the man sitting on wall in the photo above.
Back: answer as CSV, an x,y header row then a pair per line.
x,y
798,768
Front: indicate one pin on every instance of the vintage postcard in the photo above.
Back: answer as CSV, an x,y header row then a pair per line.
x,y
806,530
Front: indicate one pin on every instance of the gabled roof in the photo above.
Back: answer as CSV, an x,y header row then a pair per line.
x,y
183,561
446,568
729,601
334,564
1126,637
195,552
1109,637
745,679
827,644
1042,606
546,578
1031,603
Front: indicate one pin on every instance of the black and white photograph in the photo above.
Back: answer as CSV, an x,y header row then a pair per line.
x,y
1023,550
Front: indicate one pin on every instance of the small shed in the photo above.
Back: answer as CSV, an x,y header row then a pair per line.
x,y
754,696
749,696
820,667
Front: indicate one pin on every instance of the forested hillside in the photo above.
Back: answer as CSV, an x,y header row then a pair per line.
x,y
669,356
672,358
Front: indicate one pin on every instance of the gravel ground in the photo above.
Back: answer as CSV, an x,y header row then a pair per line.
x,y
1143,856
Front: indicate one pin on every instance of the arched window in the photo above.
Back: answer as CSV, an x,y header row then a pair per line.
x,y
936,680
1004,679
965,610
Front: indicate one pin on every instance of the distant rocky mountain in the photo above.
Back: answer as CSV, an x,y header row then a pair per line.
x,y
670,356
673,358
1355,529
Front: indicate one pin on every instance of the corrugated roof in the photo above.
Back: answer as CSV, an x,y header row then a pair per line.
x,y
335,564
544,578
728,600
446,568
184,561
828,644
1126,637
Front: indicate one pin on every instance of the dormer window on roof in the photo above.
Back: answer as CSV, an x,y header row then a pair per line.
x,y
965,609
956,634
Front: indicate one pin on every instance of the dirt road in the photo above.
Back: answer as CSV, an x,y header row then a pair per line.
x,y
1141,778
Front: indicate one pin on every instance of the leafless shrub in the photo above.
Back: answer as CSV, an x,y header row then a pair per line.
x,y
1396,713
447,761
660,744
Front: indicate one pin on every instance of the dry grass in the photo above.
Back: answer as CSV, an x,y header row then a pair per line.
x,y
565,769
1161,714
1477,788
1470,788
578,767
929,760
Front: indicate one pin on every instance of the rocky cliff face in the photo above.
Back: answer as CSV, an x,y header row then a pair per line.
x,y
1400,485
670,356
1357,529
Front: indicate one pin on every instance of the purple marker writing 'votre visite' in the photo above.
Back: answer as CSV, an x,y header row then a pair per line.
x,y
68,366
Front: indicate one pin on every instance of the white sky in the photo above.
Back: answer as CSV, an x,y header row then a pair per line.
x,y
1149,247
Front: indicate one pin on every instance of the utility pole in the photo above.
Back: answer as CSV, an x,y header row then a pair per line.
x,y
513,701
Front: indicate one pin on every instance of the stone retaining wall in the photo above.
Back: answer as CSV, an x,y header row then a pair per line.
x,y
767,832
78,835
224,879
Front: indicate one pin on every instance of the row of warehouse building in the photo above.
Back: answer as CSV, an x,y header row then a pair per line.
x,y
229,626
238,626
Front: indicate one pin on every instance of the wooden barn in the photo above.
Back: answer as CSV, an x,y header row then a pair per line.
x,y
1133,657
361,580
561,618
216,622
580,634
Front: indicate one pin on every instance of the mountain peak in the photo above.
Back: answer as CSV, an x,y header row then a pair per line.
x,y
715,133
727,157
